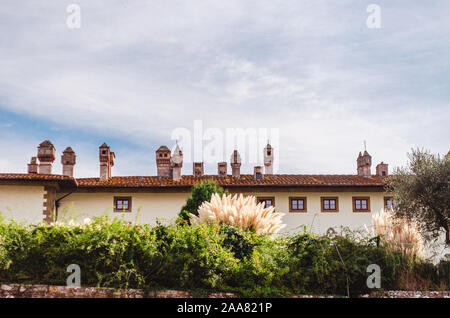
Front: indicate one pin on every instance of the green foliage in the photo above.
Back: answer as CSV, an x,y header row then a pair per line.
x,y
309,263
110,253
193,257
240,242
422,192
200,193
444,271
115,253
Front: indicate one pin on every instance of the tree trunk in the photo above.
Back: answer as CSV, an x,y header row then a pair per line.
x,y
444,223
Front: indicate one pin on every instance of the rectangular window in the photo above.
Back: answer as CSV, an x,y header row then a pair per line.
x,y
269,201
361,204
122,204
297,204
388,203
330,204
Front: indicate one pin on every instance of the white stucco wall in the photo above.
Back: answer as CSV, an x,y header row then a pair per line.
x,y
320,222
148,207
22,203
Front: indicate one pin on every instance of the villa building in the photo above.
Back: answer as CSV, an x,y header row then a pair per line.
x,y
318,201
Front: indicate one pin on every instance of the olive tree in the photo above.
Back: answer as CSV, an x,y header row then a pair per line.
x,y
421,192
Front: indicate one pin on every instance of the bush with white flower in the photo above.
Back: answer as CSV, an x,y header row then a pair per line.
x,y
240,211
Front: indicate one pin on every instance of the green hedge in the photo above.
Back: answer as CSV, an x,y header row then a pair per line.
x,y
114,253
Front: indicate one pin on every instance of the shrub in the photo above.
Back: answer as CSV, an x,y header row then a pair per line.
x,y
194,257
337,265
309,262
261,273
200,193
110,254
241,212
398,233
208,257
240,243
444,272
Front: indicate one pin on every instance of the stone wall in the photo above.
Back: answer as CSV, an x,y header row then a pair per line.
x,y
48,291
410,294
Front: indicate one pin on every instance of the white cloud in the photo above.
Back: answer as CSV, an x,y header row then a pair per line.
x,y
137,70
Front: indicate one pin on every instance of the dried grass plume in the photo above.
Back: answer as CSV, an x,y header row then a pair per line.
x,y
398,233
239,211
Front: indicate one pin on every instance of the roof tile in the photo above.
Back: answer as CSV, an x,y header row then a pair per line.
x,y
244,180
33,177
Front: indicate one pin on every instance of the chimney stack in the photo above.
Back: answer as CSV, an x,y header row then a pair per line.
x,y
382,169
268,159
235,163
46,156
198,169
68,161
222,169
163,166
33,166
176,162
258,173
106,157
364,163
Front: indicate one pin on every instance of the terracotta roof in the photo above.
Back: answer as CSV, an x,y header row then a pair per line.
x,y
280,180
46,143
163,148
30,177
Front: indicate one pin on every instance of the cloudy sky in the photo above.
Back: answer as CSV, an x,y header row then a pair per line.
x,y
137,70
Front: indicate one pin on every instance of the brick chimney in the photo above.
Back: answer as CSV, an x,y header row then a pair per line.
x,y
235,163
258,173
222,169
46,156
364,163
68,161
163,167
106,157
176,162
268,159
198,169
382,169
33,166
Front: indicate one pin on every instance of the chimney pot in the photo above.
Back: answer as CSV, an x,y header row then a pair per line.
x,y
68,161
382,169
258,173
222,169
46,156
106,157
235,163
33,166
364,164
198,169
163,165
176,162
268,159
